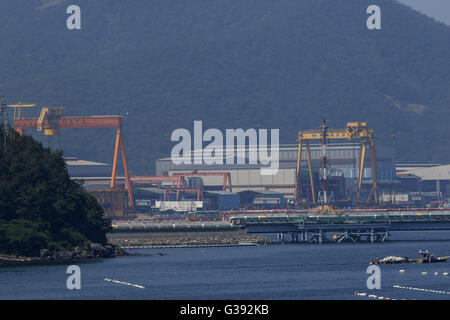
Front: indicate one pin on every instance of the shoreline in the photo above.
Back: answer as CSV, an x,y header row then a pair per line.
x,y
118,243
96,252
19,261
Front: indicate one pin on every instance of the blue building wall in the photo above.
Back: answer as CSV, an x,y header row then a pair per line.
x,y
228,201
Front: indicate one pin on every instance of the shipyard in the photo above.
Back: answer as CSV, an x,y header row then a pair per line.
x,y
341,188
193,151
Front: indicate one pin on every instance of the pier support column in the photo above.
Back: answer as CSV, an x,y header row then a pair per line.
x,y
281,237
320,236
386,236
372,236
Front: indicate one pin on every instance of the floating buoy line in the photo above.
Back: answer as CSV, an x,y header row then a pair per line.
x,y
125,283
373,296
422,289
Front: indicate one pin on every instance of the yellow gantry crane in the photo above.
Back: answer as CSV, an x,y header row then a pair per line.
x,y
18,113
354,130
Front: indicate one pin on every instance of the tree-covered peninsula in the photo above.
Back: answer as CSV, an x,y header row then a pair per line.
x,y
41,208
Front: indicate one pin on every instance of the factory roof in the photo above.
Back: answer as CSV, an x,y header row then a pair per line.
x,y
152,190
221,192
432,173
282,147
72,161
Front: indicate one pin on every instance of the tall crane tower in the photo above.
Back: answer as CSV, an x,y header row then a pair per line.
x,y
52,119
353,130
325,197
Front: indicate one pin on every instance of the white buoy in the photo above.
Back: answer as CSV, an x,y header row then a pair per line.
x,y
424,273
401,271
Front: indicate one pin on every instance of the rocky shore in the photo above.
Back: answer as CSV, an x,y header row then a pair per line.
x,y
120,241
95,251
184,239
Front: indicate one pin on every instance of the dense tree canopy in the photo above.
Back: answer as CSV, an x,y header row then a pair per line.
x,y
40,206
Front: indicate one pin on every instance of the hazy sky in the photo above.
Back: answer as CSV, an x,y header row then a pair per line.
x,y
437,9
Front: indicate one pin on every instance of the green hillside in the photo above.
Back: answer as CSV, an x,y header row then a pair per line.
x,y
40,206
233,64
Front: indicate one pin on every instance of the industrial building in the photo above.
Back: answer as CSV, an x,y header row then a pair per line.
x,y
343,159
423,184
399,185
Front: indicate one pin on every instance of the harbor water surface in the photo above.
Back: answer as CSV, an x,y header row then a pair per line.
x,y
276,271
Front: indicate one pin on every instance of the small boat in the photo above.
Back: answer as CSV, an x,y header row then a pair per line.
x,y
427,257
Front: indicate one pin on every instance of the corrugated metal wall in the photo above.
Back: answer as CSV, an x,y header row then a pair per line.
x,y
343,158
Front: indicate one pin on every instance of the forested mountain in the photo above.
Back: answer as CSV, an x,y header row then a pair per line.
x,y
233,64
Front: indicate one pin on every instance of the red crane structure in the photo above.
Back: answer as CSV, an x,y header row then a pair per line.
x,y
178,185
226,177
52,119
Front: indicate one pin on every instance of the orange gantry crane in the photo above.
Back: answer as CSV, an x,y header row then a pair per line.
x,y
52,119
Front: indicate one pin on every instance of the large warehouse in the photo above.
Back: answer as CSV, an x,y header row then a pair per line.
x,y
343,159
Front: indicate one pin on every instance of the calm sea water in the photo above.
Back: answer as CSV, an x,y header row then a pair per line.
x,y
291,271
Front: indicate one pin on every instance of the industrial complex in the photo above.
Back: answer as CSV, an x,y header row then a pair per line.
x,y
327,168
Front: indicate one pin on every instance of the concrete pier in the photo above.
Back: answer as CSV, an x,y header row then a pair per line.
x,y
371,225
